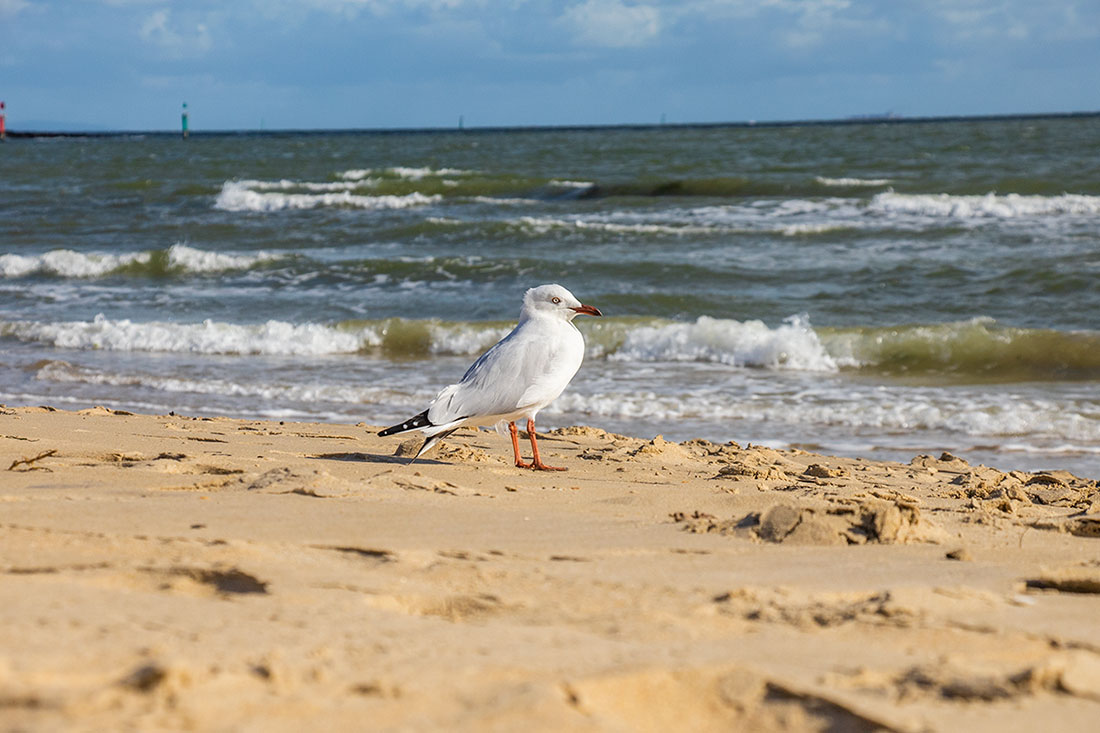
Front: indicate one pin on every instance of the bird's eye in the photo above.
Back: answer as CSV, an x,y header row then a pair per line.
x,y
555,301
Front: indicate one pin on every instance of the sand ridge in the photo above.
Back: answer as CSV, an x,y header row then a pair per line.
x,y
180,573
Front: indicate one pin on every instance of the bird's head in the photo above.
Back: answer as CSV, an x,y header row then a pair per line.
x,y
555,300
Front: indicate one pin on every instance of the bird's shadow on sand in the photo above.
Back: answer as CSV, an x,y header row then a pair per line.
x,y
375,458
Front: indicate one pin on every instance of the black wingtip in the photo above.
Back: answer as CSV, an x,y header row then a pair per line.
x,y
419,421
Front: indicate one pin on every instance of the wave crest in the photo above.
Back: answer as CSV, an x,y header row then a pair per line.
x,y
793,345
975,350
267,197
991,205
979,348
179,258
208,337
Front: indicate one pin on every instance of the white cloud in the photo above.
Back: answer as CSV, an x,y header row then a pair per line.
x,y
795,25
351,8
977,20
1008,20
11,7
814,21
612,23
159,31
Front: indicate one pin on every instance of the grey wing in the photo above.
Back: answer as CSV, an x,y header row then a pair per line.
x,y
494,384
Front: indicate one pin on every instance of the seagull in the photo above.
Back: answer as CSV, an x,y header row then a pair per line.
x,y
521,374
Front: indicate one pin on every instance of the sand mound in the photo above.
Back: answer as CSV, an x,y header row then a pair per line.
x,y
708,700
662,450
1076,579
857,520
583,431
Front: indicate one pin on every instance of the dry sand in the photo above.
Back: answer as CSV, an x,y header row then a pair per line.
x,y
167,572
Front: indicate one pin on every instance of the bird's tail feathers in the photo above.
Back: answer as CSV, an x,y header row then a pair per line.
x,y
430,441
419,421
435,433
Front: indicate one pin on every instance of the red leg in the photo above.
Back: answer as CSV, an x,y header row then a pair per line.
x,y
520,463
537,463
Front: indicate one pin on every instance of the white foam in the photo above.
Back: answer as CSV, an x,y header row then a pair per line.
x,y
787,216
59,371
797,230
790,346
886,415
608,226
240,196
415,174
500,201
66,263
802,216
991,205
208,337
405,172
71,264
191,259
793,345
465,339
803,207
544,224
571,184
1059,449
288,185
826,181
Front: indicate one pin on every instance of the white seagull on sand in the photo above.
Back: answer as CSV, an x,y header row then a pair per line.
x,y
524,372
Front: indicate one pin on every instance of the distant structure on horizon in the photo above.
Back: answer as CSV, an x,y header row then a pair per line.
x,y
891,115
183,119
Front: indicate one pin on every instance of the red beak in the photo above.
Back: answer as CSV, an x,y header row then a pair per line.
x,y
588,310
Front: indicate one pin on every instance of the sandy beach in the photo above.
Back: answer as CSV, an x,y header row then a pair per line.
x,y
180,573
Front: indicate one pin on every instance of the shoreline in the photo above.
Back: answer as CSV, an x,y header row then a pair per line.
x,y
174,572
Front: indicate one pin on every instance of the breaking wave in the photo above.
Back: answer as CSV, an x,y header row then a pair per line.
x,y
405,172
793,345
849,182
269,196
397,338
177,259
991,205
978,349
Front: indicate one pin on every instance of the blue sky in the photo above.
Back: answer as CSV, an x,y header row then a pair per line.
x,y
128,64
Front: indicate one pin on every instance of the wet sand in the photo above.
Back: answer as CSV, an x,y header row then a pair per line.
x,y
169,572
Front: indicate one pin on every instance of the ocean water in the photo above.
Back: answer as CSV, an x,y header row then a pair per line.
x,y
876,290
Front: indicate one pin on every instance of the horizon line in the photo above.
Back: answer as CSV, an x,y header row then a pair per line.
x,y
871,119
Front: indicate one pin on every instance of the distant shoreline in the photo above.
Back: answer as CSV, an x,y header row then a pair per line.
x,y
860,120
